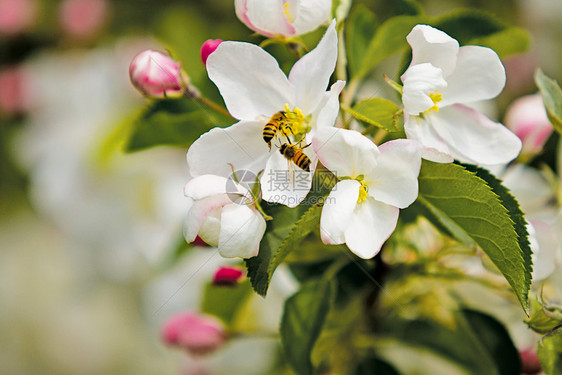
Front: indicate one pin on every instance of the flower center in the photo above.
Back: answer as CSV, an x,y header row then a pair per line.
x,y
363,193
287,11
435,98
297,123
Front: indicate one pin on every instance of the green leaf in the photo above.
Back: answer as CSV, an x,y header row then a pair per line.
x,y
516,215
496,341
376,366
389,39
359,30
506,42
285,232
172,122
224,302
552,98
488,215
303,317
478,342
378,112
550,354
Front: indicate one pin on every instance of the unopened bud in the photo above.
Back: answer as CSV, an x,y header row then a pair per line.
x,y
209,47
527,118
157,75
198,334
530,364
227,276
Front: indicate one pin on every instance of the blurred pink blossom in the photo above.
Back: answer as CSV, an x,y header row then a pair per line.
x,y
16,16
82,19
14,91
527,118
227,276
197,333
208,47
157,75
530,364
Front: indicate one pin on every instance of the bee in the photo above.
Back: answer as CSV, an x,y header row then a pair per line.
x,y
278,122
294,153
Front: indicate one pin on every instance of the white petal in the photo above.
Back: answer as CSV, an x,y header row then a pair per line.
x,y
547,252
337,210
396,174
311,14
530,187
419,82
371,224
241,145
211,227
347,153
284,182
474,138
242,229
327,111
249,80
479,75
430,45
198,213
268,18
435,148
311,74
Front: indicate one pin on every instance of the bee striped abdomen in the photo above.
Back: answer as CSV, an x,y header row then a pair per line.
x,y
276,122
294,153
302,161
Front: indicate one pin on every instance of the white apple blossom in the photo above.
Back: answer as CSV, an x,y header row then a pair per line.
x,y
221,212
255,88
362,208
440,80
283,17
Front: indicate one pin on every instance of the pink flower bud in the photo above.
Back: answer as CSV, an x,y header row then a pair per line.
x,y
527,118
82,19
16,16
227,276
15,92
197,333
157,75
209,47
198,241
530,364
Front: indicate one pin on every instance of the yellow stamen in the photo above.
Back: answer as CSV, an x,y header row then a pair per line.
x,y
435,98
363,190
287,11
298,122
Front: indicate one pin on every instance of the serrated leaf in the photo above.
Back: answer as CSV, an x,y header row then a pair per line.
x,y
303,317
378,112
224,302
389,39
473,207
550,354
552,98
287,232
172,122
359,30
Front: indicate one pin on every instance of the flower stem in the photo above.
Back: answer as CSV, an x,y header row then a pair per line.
x,y
214,106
